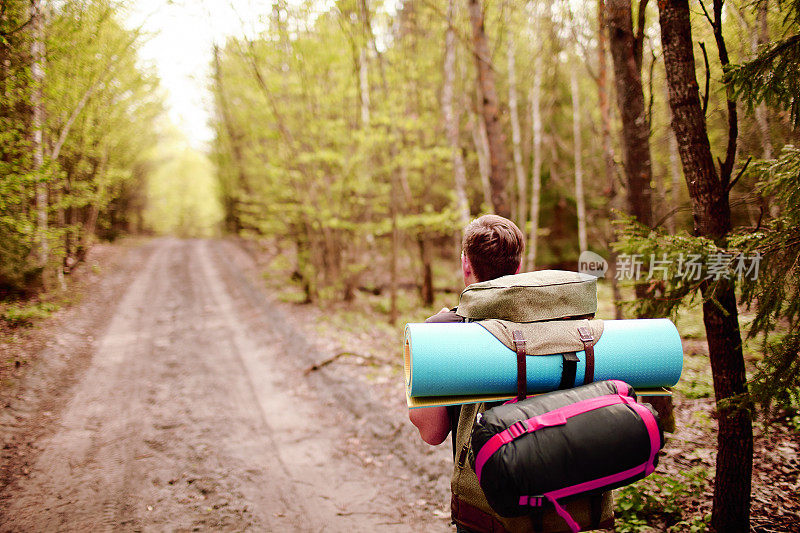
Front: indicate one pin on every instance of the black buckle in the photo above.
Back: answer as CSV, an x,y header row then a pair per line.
x,y
517,429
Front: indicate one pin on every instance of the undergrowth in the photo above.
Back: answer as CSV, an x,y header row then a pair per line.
x,y
661,499
19,314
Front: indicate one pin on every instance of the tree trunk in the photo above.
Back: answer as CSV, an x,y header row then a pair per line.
x,y
426,289
712,218
626,51
608,152
576,135
516,136
626,54
233,218
675,174
490,111
451,117
37,127
481,142
602,93
536,186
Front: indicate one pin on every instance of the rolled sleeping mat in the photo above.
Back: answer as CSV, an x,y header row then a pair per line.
x,y
447,359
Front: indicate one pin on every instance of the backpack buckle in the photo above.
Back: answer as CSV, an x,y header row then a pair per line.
x,y
585,334
517,429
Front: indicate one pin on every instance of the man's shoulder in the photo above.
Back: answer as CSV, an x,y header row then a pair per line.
x,y
445,317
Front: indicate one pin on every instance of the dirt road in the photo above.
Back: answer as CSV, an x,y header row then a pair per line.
x,y
175,399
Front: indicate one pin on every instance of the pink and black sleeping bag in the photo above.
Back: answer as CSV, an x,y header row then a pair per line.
x,y
551,447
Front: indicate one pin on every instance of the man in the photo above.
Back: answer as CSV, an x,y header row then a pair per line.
x,y
492,247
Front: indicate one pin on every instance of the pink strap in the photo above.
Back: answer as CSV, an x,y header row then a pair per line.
x,y
556,417
573,525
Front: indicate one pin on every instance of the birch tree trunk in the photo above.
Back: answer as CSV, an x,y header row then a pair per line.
x,y
489,108
536,185
516,136
602,92
708,190
576,134
37,126
451,117
608,152
481,142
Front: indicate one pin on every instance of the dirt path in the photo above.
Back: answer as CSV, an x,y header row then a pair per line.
x,y
191,411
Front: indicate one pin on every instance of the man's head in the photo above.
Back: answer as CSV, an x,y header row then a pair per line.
x,y
492,247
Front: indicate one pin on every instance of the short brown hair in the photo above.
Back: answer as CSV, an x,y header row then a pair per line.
x,y
494,246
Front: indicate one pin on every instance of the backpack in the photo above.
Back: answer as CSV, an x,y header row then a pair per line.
x,y
546,300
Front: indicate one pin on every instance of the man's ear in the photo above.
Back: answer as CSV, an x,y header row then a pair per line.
x,y
466,268
519,267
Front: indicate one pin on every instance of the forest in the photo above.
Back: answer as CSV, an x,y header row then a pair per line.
x,y
354,139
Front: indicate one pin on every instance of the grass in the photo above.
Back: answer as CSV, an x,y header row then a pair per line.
x,y
26,314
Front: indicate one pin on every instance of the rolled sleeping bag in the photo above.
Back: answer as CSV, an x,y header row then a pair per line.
x,y
455,359
549,448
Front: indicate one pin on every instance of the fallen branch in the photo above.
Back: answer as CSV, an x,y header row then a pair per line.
x,y
329,360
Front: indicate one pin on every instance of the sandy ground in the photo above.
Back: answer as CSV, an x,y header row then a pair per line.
x,y
175,398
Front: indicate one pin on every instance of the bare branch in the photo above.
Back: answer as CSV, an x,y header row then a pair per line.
x,y
741,172
333,358
708,77
706,13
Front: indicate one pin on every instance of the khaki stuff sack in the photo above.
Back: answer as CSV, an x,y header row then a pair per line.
x,y
550,307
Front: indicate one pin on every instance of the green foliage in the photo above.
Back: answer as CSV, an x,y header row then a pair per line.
x,y
775,293
773,76
26,314
696,380
674,267
765,262
99,110
660,499
182,199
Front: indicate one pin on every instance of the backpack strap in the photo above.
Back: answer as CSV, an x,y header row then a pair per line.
x,y
569,368
588,345
522,373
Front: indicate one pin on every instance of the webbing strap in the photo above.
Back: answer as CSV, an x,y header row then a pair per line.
x,y
569,367
588,346
573,525
522,372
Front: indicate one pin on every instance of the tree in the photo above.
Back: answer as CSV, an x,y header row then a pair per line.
x,y
516,135
537,134
709,191
576,136
489,108
771,76
451,116
78,116
36,25
626,51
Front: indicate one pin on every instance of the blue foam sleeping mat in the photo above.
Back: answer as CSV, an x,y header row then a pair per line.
x,y
450,364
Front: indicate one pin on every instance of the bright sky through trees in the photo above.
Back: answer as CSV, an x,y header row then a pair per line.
x,y
180,36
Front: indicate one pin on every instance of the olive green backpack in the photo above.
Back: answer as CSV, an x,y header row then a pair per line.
x,y
550,309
